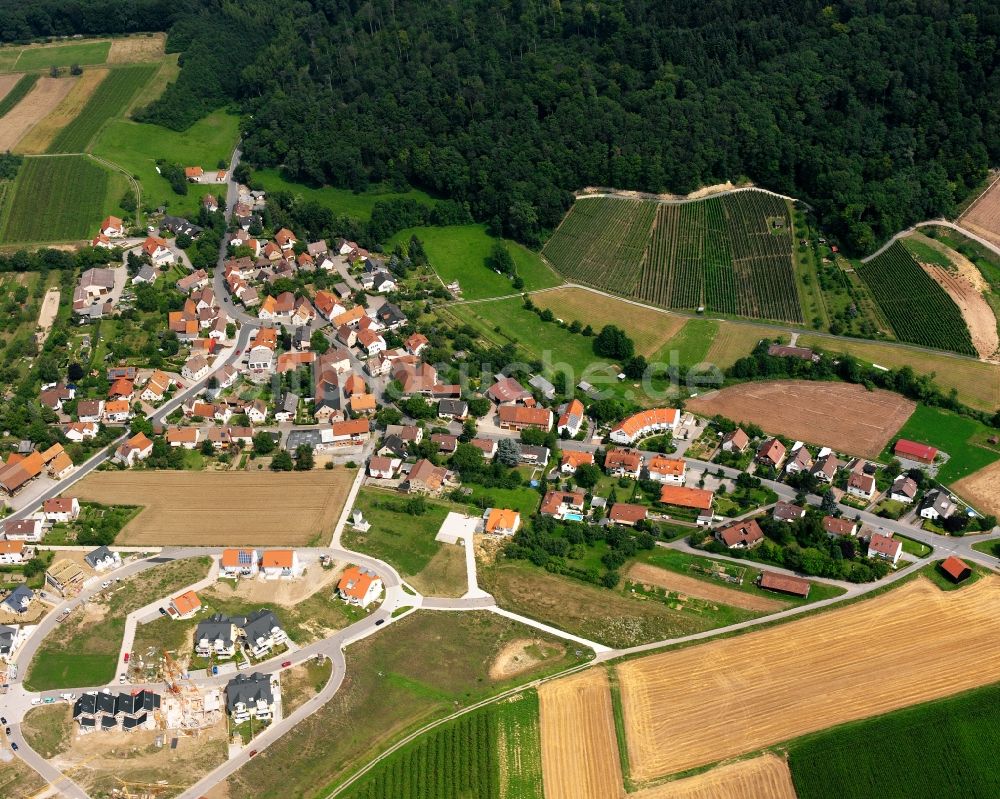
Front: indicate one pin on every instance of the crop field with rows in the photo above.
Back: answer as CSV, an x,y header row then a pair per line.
x,y
731,254
917,308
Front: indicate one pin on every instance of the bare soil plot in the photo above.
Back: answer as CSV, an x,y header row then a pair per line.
x,y
283,592
976,312
845,416
38,139
46,94
224,508
47,314
579,749
701,589
521,655
983,216
7,82
737,695
982,489
137,48
648,328
764,777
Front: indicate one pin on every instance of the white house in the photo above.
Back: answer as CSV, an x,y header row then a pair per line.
x,y
81,431
158,251
23,529
102,559
250,696
668,471
645,423
881,546
359,586
60,509
239,563
11,553
280,563
937,505
904,489
861,485
195,368
383,468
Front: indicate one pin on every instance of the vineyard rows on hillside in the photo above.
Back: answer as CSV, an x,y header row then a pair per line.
x,y
917,308
730,254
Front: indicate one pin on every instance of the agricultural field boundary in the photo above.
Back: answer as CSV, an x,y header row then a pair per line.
x,y
932,223
680,200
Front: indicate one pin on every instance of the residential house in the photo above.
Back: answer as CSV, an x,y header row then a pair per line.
x,y
192,282
102,559
771,453
12,553
861,485
453,409
571,416
566,505
800,460
158,251
937,504
327,304
90,410
741,535
573,459
81,431
287,408
627,515
519,417
54,396
371,342
105,711
623,462
117,412
530,453
446,443
835,527
671,471
185,437
825,468
683,497
788,512
786,351
425,478
256,412
735,441
303,313
363,404
383,468
416,343
488,446
882,546
184,606
29,530
217,636
359,586
250,696
237,563
501,521
137,448
350,432
60,509
280,563
645,423
904,489
18,601
195,368
262,632
112,227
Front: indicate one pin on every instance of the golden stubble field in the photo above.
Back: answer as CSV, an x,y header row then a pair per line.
x,y
38,139
703,704
764,777
223,508
579,750
44,96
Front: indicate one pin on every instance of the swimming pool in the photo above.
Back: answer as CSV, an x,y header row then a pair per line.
x,y
573,517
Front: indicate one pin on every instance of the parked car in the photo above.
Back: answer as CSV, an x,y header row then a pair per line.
x,y
253,752
380,622
3,720
7,730
126,657
286,664
49,700
36,701
163,611
13,746
122,679
215,670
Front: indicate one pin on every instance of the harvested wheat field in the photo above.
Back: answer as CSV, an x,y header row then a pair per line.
x,y
223,508
136,48
648,328
44,96
764,777
735,341
579,750
701,589
983,216
982,489
703,704
842,415
38,139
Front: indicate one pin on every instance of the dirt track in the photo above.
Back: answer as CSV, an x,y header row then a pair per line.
x,y
976,312
765,777
45,95
737,695
224,508
701,589
841,415
47,314
579,750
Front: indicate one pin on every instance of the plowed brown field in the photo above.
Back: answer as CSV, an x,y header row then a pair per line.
x,y
223,508
983,216
976,312
765,777
579,750
847,417
43,97
701,589
699,705
7,82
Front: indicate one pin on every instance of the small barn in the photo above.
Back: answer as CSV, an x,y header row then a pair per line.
x,y
955,569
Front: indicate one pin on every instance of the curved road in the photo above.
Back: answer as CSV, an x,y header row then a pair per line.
x,y
933,223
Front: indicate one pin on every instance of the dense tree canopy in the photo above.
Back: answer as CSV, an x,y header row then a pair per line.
x,y
877,112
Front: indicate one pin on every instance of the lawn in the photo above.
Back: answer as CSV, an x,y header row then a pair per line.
x,y
83,650
136,147
419,668
911,547
690,344
59,55
341,201
60,199
938,749
964,439
112,96
48,729
406,541
459,252
523,499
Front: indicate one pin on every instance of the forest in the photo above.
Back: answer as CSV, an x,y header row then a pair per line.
x,y
877,113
